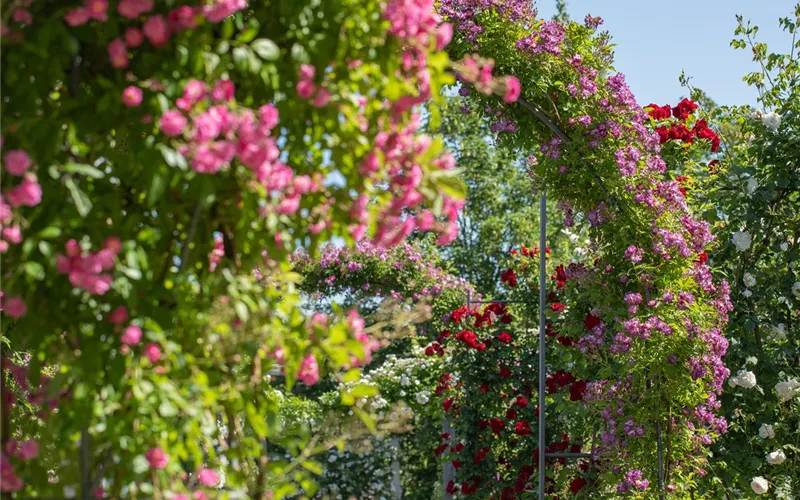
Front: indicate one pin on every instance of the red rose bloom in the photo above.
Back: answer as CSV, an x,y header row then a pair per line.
x,y
509,278
713,165
511,414
684,108
456,464
480,456
591,321
484,388
497,425
557,307
440,450
659,112
577,390
576,485
505,372
452,489
521,402
504,337
522,428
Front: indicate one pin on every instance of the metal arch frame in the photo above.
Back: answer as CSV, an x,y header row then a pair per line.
x,y
448,472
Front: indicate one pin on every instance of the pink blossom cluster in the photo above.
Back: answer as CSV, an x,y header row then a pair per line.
x,y
27,193
306,88
478,71
21,16
86,269
217,253
416,22
156,28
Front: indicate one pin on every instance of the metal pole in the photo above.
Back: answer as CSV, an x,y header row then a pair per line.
x,y
660,461
86,480
542,346
397,488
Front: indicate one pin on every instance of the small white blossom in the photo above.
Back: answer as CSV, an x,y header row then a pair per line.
x,y
779,332
776,457
796,289
771,120
751,186
747,293
423,397
784,246
744,379
749,280
759,485
742,240
404,381
751,360
766,431
788,389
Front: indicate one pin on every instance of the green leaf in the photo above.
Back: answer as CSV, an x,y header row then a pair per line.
x,y
241,58
173,158
167,409
363,390
140,464
50,232
82,202
266,49
82,168
242,311
256,420
157,187
314,467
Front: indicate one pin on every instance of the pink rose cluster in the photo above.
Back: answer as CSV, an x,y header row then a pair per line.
x,y
217,253
156,28
86,269
26,450
19,15
478,71
27,193
306,87
370,345
416,22
216,134
396,157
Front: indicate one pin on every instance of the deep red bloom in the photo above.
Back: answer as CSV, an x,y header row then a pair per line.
x,y
566,341
440,450
521,402
456,464
452,489
560,277
505,372
471,486
522,428
508,493
659,112
511,414
509,277
504,337
557,307
702,257
447,404
591,321
577,390
497,425
484,388
480,456
702,131
712,166
684,108
576,485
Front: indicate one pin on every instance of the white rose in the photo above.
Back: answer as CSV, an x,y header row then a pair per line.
x,y
766,431
784,246
759,485
776,457
779,332
751,186
422,397
771,120
751,360
796,289
747,293
742,240
749,280
746,379
404,381
788,389
733,381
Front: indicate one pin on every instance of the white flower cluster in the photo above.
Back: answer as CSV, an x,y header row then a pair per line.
x,y
744,379
742,240
771,120
788,389
766,431
366,474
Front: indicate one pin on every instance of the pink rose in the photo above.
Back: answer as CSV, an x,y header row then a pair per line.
x,y
172,123
153,353
16,162
28,193
132,9
182,18
309,371
77,17
132,96
322,98
118,316
157,458
22,16
132,335
513,89
118,53
223,91
29,449
97,9
134,37
156,30
305,88
306,72
12,234
443,35
15,307
208,477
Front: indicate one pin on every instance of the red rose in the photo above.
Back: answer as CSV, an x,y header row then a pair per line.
x,y
452,489
557,307
713,165
658,112
663,134
702,257
480,456
684,108
591,321
505,372
509,278
576,485
456,464
471,486
484,388
577,390
521,402
522,428
440,450
511,414
457,448
504,337
497,425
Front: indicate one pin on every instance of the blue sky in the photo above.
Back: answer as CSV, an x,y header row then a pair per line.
x,y
656,40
